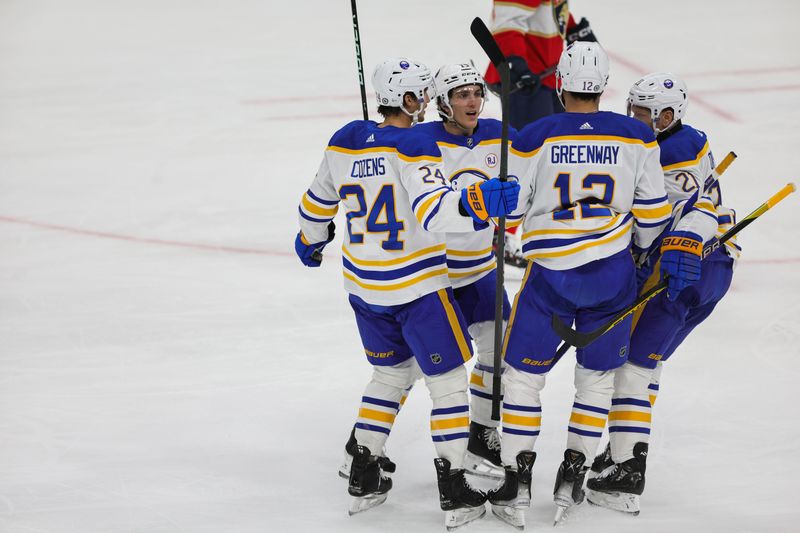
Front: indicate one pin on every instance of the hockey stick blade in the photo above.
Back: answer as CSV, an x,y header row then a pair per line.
x,y
487,42
581,340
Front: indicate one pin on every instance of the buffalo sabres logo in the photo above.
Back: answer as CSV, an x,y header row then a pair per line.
x,y
491,160
668,83
404,65
561,16
436,358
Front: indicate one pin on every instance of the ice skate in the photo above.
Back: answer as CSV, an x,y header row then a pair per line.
x,y
461,503
387,466
513,497
601,462
483,452
568,490
619,486
367,483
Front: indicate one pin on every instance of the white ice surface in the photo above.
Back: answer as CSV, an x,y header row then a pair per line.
x,y
166,363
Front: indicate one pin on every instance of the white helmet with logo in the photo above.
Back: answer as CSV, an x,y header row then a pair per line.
x,y
582,68
395,77
450,77
657,92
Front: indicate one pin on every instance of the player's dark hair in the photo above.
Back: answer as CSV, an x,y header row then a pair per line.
x,y
387,111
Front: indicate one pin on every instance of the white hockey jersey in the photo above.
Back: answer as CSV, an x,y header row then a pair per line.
x,y
687,162
468,160
398,206
590,183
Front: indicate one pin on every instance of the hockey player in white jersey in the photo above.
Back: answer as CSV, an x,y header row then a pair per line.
x,y
470,149
389,180
591,189
660,101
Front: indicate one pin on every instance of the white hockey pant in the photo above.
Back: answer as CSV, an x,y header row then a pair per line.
x,y
522,413
481,382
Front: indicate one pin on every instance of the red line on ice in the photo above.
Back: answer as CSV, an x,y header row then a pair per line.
x,y
144,240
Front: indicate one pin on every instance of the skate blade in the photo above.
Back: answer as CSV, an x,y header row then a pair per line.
x,y
561,514
616,501
478,466
510,515
359,505
460,517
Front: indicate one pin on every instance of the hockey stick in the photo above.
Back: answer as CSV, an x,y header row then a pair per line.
x,y
710,181
489,45
359,61
580,340
316,255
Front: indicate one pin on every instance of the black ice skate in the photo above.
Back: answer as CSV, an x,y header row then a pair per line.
x,y
510,500
568,490
601,462
483,452
621,485
462,504
368,484
387,466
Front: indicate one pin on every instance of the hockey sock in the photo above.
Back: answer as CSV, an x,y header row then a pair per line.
x,y
629,420
450,415
481,381
593,390
381,402
522,413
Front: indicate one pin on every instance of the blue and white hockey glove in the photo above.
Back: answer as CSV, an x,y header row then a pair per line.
x,y
681,257
311,254
492,198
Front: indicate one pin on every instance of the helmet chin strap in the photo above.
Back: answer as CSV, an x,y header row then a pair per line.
x,y
415,114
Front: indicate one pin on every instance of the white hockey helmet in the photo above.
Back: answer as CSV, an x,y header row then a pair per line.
x,y
397,76
582,68
453,76
659,91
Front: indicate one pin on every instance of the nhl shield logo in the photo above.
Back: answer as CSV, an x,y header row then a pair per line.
x,y
436,358
561,16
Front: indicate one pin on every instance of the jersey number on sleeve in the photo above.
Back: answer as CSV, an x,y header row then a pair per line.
x,y
588,210
382,216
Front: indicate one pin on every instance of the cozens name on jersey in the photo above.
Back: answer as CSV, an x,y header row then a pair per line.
x,y
366,168
578,154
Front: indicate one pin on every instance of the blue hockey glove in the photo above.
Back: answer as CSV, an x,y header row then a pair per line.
x,y
681,256
492,198
311,254
581,32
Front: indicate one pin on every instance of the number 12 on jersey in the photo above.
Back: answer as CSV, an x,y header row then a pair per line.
x,y
586,198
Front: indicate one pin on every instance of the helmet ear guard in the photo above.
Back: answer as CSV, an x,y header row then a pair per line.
x,y
657,92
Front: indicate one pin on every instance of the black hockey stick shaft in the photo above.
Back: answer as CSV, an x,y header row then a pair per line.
x,y
359,61
581,340
490,46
